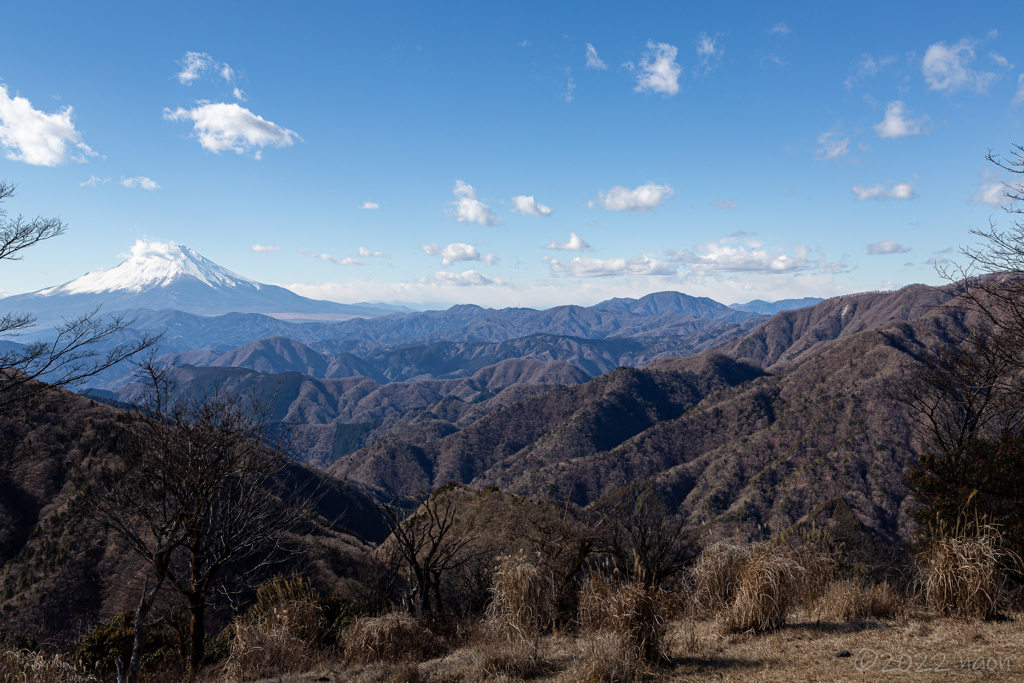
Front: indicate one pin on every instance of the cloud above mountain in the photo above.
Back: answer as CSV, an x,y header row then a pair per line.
x,y
38,138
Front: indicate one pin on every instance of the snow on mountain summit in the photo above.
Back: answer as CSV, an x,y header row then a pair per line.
x,y
154,264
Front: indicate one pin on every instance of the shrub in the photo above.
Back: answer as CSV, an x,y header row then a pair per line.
x,y
102,646
717,576
22,665
963,574
602,660
390,638
271,645
769,580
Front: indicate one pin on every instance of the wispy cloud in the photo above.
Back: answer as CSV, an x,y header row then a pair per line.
x,y
780,28
658,70
1000,60
881,192
897,125
946,68
265,250
868,66
369,205
526,206
1019,97
38,138
330,259
141,182
740,253
725,204
937,261
93,181
586,267
363,251
593,61
832,146
575,243
469,278
887,247
708,55
468,209
195,65
643,199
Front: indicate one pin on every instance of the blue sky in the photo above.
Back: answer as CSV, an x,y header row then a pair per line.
x,y
727,150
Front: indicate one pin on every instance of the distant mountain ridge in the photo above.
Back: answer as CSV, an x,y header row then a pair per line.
x,y
762,307
169,276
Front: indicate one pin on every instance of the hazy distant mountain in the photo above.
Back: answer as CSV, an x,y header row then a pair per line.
x,y
762,307
168,276
660,303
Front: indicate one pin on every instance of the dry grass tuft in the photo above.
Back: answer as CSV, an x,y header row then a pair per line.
x,y
628,611
769,582
851,601
717,576
278,640
963,574
22,665
602,660
391,638
521,608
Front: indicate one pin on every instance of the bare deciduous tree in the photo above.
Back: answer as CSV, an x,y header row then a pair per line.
x,y
425,538
196,489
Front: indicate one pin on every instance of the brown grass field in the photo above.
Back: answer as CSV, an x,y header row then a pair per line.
x,y
912,647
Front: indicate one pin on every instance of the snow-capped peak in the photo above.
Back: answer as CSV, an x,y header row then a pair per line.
x,y
153,264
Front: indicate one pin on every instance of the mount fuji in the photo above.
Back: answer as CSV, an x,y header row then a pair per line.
x,y
161,276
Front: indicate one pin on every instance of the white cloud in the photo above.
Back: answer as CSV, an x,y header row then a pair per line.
x,y
575,243
369,205
593,61
468,209
740,253
658,69
38,138
528,207
93,181
239,94
887,247
265,250
832,146
453,253
992,192
936,261
1000,60
193,66
643,199
708,56
774,58
945,68
780,28
725,204
227,73
868,66
140,181
897,191
363,251
895,125
222,126
330,259
469,278
585,266
491,259
569,86
1019,97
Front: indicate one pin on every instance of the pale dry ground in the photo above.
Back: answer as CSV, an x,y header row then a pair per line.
x,y
913,648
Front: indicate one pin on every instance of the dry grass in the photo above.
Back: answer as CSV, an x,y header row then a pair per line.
x,y
602,659
22,665
521,608
717,576
769,583
629,612
392,638
280,640
963,574
852,601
